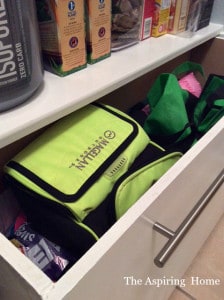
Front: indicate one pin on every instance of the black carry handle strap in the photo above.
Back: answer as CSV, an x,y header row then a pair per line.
x,y
215,95
210,101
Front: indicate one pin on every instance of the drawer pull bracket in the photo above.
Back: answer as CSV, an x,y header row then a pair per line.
x,y
174,238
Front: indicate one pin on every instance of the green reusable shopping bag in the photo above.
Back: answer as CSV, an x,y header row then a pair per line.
x,y
210,107
170,118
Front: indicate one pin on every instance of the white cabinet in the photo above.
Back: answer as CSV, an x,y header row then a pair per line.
x,y
121,264
60,96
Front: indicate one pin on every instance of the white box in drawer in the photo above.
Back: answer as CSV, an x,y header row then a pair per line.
x,y
121,264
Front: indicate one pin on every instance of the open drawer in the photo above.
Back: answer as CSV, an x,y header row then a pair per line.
x,y
121,264
125,268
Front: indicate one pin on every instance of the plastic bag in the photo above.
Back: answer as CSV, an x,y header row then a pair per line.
x,y
49,257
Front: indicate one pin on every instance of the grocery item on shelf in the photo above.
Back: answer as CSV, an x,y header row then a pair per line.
x,y
199,15
146,23
160,17
178,16
21,70
126,22
62,34
98,30
205,14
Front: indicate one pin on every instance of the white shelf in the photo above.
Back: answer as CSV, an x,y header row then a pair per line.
x,y
60,96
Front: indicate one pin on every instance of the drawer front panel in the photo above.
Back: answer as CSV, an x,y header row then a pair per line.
x,y
127,269
19,277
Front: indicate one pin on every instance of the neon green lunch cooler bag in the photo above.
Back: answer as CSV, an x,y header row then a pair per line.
x,y
83,173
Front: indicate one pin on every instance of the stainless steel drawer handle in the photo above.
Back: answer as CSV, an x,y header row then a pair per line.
x,y
174,238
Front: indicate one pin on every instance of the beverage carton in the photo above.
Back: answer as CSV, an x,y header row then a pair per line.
x,y
98,29
62,34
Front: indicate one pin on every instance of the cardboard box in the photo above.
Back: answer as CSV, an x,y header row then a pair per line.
x,y
160,17
98,30
62,34
199,14
147,14
178,16
205,14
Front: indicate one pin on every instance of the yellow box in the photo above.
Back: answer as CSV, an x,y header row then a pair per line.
x,y
98,30
160,17
62,34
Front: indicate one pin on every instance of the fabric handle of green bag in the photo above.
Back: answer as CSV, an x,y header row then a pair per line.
x,y
187,67
213,91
